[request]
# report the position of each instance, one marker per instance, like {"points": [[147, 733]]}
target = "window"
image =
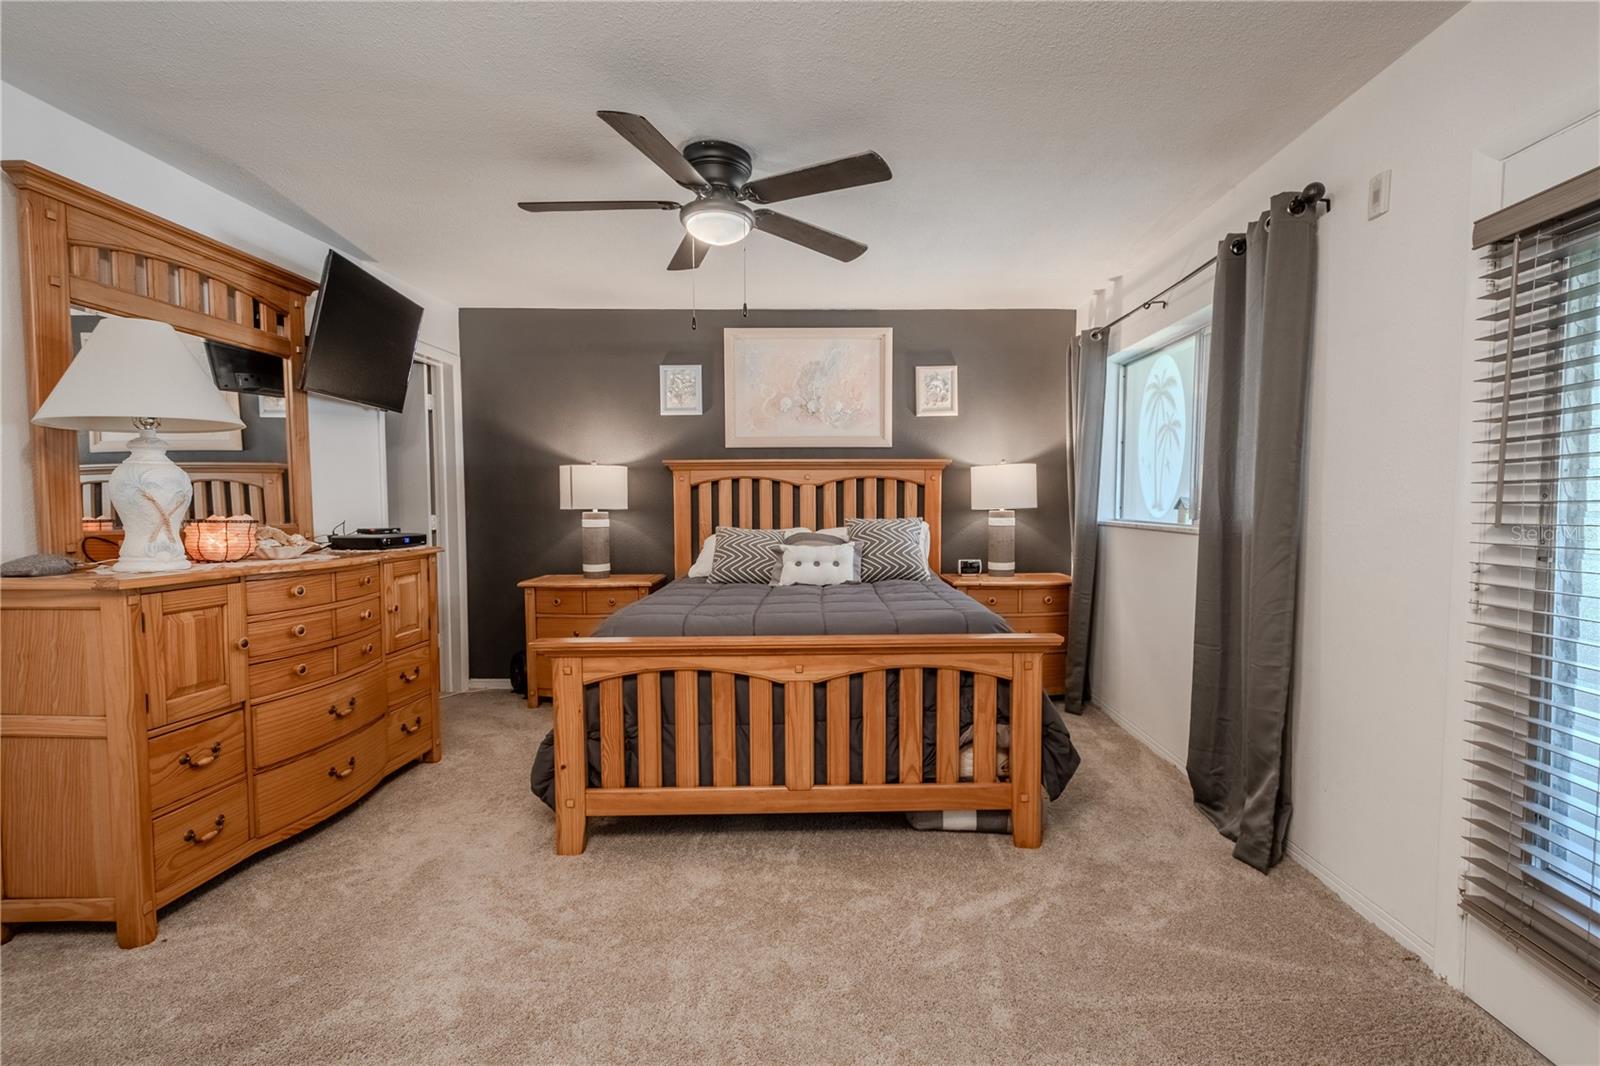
{"points": [[1156, 397], [1535, 647]]}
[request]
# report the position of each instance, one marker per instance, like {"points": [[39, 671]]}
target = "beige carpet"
{"points": [[433, 923]]}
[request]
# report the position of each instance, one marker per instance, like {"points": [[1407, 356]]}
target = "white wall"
{"points": [[348, 482], [1383, 578]]}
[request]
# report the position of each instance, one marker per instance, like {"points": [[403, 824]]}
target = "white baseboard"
{"points": [[1355, 899], [478, 683]]}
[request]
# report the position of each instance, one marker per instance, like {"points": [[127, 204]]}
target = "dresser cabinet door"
{"points": [[195, 651], [407, 604]]}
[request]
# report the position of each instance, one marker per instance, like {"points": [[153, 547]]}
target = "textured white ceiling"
{"points": [[1036, 147]]}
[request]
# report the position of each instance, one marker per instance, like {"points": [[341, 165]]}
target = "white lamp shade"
{"points": [[592, 487], [133, 368], [1005, 487]]}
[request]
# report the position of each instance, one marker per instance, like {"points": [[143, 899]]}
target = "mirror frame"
{"points": [[67, 231]]}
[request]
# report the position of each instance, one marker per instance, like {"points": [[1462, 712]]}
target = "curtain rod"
{"points": [[1314, 193]]}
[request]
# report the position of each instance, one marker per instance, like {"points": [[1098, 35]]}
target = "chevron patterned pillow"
{"points": [[744, 556], [892, 549]]}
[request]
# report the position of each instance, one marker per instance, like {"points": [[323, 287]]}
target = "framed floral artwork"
{"points": [[936, 390], [680, 390]]}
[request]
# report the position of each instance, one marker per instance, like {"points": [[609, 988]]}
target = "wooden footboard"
{"points": [[796, 666]]}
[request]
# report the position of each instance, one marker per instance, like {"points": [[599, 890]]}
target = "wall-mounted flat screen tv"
{"points": [[363, 337]]}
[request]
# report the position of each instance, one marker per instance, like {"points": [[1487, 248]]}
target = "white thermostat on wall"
{"points": [[1378, 195]]}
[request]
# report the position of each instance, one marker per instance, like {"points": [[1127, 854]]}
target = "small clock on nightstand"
{"points": [[1030, 603]]}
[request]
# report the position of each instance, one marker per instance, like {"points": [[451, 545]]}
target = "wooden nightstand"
{"points": [[571, 605], [1031, 603]]}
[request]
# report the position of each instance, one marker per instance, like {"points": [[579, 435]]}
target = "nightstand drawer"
{"points": [[1039, 623], [1043, 601], [576, 626], [1000, 601], [286, 593], [562, 601], [604, 601]]}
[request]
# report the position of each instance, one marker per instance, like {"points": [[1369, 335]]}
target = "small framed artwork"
{"points": [[936, 390], [272, 407], [680, 390]]}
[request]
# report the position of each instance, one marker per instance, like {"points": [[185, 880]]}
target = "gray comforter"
{"points": [[694, 607]]}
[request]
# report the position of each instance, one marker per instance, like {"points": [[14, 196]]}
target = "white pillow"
{"points": [[702, 562], [817, 564]]}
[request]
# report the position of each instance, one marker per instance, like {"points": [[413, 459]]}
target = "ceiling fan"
{"points": [[718, 174]]}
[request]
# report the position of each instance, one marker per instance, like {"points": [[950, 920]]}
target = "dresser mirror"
{"points": [[86, 256]]}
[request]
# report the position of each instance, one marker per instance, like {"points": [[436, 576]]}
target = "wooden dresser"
{"points": [[157, 729], [1031, 603], [571, 605]]}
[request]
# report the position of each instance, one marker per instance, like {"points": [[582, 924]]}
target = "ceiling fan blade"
{"points": [[642, 135], [808, 236], [864, 169], [538, 206], [690, 254]]}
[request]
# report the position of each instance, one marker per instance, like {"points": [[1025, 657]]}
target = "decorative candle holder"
{"points": [[219, 540]]}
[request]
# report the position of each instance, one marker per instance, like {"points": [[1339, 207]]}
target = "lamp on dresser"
{"points": [[143, 375], [595, 489], [1001, 490]]}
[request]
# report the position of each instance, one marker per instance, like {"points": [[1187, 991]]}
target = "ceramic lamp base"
{"points": [[1002, 543], [151, 494], [596, 544]]}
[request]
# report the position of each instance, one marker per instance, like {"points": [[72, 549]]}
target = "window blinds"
{"points": [[1534, 655]]}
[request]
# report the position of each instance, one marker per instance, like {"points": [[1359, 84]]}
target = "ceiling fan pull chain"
{"points": [[694, 304], [745, 261]]}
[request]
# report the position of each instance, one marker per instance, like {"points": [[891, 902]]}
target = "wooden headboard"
{"points": [[819, 493]]}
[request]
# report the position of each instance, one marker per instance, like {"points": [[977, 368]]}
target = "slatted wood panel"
{"points": [[773, 494], [838, 731], [724, 737], [797, 735], [874, 727], [686, 728], [985, 705], [649, 729], [256, 489], [947, 711], [760, 731], [173, 284], [911, 725], [612, 766]]}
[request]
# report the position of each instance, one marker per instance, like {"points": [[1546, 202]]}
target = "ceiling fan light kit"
{"points": [[718, 173]]}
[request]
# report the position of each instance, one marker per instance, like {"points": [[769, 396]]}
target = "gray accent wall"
{"points": [[546, 387]]}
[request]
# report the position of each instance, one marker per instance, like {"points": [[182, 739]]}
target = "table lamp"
{"points": [[132, 373], [595, 489], [1000, 490]]}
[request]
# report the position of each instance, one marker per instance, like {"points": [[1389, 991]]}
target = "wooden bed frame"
{"points": [[775, 493]]}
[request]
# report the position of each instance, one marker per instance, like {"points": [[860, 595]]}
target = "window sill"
{"points": [[1154, 527]]}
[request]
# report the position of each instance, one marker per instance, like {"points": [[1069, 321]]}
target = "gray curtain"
{"points": [[1246, 584], [1087, 377]]}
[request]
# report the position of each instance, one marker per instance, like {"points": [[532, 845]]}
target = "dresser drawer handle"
{"points": [[395, 609], [1049, 600], [555, 601], [191, 837], [298, 631], [416, 672], [343, 712], [366, 649], [203, 761], [611, 601], [366, 616], [243, 643], [338, 774], [367, 580], [301, 669], [412, 730], [297, 591]]}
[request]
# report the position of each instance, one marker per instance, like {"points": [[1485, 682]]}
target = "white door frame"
{"points": [[449, 479]]}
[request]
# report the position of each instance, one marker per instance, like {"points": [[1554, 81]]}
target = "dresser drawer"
{"points": [[354, 654], [576, 626], [283, 728], [271, 637], [558, 601], [356, 583], [1000, 601], [1040, 623], [352, 618], [410, 729], [199, 833], [273, 594], [281, 675], [1043, 601], [410, 673], [297, 790], [604, 601], [197, 757]]}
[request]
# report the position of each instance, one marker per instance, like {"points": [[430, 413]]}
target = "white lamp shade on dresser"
{"points": [[132, 373], [130, 369], [593, 487], [1005, 486]]}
